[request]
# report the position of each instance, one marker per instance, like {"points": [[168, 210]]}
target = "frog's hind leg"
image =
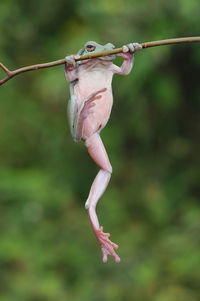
{"points": [[98, 153]]}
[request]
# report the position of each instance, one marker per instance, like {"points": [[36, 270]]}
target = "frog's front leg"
{"points": [[98, 153], [128, 56]]}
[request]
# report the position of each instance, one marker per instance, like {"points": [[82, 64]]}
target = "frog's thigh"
{"points": [[97, 151]]}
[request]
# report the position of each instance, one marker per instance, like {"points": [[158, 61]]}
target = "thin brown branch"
{"points": [[13, 73], [171, 41], [5, 69]]}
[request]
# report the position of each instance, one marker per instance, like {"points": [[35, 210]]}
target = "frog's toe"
{"points": [[70, 61], [125, 48], [132, 47], [135, 47], [107, 246]]}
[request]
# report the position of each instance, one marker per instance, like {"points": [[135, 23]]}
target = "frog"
{"points": [[89, 110]]}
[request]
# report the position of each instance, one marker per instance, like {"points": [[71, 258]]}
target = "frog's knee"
{"points": [[109, 169]]}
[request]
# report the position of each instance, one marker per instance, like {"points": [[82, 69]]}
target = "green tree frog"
{"points": [[88, 111]]}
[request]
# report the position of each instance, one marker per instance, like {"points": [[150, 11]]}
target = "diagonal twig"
{"points": [[11, 74]]}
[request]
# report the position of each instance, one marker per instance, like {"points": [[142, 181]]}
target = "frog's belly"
{"points": [[100, 114]]}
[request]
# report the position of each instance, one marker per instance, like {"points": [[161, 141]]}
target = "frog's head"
{"points": [[93, 47]]}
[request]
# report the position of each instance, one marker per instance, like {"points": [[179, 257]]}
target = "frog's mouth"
{"points": [[108, 57]]}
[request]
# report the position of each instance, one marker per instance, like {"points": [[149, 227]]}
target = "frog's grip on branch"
{"points": [[13, 73]]}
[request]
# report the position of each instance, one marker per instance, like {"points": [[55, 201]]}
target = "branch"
{"points": [[13, 73]]}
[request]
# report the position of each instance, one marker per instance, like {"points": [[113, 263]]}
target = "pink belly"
{"points": [[97, 120]]}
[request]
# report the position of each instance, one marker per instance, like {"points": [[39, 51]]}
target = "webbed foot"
{"points": [[107, 246]]}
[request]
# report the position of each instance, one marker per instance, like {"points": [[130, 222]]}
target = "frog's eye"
{"points": [[90, 47]]}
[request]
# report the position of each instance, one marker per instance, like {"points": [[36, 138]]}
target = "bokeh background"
{"points": [[48, 251]]}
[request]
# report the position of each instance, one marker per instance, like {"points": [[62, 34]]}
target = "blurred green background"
{"points": [[48, 251]]}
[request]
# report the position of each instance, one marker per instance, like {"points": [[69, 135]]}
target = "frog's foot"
{"points": [[108, 247], [89, 103]]}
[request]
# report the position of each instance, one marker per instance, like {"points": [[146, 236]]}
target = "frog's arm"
{"points": [[71, 68], [71, 73], [128, 56], [72, 108], [126, 66]]}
